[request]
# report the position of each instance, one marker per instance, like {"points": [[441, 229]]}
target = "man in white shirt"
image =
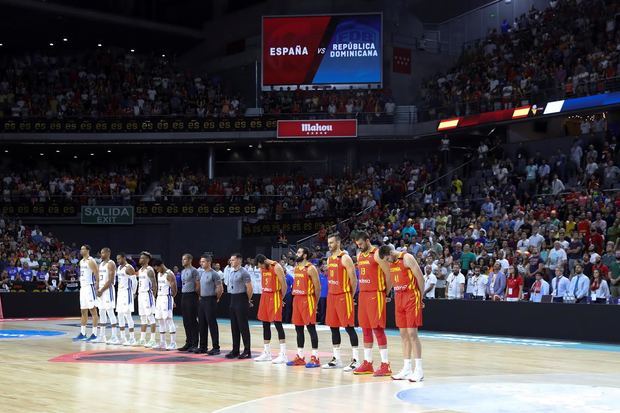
{"points": [[456, 283], [557, 257], [559, 285], [430, 280], [536, 239], [539, 288], [478, 284]]}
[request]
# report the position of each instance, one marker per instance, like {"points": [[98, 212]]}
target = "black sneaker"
{"points": [[200, 351], [184, 348], [232, 355], [213, 352], [245, 355], [192, 349]]}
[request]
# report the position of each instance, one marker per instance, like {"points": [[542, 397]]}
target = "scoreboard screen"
{"points": [[326, 51]]}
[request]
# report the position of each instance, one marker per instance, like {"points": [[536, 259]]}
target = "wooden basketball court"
{"points": [[42, 372]]}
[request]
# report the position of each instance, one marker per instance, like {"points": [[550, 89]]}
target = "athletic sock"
{"points": [[102, 332], [315, 353], [83, 330], [337, 353], [162, 337], [142, 335], [418, 364], [368, 355], [384, 355], [123, 334], [114, 333], [356, 353], [94, 331], [282, 348], [267, 349], [300, 352], [172, 339], [407, 364]]}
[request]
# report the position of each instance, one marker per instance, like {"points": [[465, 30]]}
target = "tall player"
{"points": [[306, 294], [341, 285], [124, 303], [89, 284], [408, 282], [147, 283], [371, 307], [270, 307], [107, 300], [166, 291]]}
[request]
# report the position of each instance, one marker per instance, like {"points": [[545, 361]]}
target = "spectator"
{"points": [[579, 285], [514, 285], [496, 286], [430, 280], [456, 283], [539, 289], [599, 289], [559, 286]]}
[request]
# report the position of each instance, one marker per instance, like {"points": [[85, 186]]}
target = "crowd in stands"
{"points": [[31, 260], [370, 104], [108, 83], [571, 48]]}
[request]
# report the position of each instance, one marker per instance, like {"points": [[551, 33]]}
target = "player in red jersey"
{"points": [[306, 294], [270, 307], [371, 307], [341, 286], [408, 282]]}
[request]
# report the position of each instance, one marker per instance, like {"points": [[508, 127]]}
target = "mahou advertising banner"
{"points": [[332, 128], [322, 50]]}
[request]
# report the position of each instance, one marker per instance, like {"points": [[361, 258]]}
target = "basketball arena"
{"points": [[281, 206]]}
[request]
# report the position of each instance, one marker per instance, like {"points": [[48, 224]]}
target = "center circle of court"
{"points": [[515, 397]]}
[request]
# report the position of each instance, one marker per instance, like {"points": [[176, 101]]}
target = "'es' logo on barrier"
{"points": [[333, 128]]}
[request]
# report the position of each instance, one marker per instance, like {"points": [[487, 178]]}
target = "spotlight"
{"points": [[57, 150], [132, 50], [92, 154], [109, 151], [163, 55], [42, 154], [64, 39], [250, 146], [74, 156], [228, 149], [99, 45], [51, 44]]}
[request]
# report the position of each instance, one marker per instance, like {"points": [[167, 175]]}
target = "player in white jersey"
{"points": [[166, 291], [127, 286], [89, 284], [147, 283], [106, 297]]}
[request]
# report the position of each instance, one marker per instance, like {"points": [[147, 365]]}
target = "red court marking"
{"points": [[38, 319]]}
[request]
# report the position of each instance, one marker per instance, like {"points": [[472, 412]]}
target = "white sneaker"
{"points": [[99, 340], [133, 342], [416, 377], [352, 366], [151, 344], [171, 346], [402, 375], [263, 357], [125, 342], [114, 341], [160, 346], [281, 359], [333, 364]]}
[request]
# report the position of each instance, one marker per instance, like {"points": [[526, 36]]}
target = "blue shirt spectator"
{"points": [[323, 280], [579, 286], [497, 282], [289, 283], [12, 271], [27, 274]]}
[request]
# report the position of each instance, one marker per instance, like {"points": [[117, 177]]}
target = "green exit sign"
{"points": [[107, 215]]}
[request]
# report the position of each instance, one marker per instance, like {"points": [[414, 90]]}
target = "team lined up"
{"points": [[380, 270]]}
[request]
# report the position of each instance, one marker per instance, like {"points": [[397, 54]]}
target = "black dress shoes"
{"points": [[245, 355], [184, 348], [200, 351], [213, 352], [232, 355]]}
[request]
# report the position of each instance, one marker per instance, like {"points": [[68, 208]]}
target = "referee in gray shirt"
{"points": [[240, 289], [189, 304], [209, 286]]}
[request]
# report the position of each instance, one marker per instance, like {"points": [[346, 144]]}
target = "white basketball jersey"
{"points": [[104, 274], [163, 285], [87, 277], [144, 282], [124, 282]]}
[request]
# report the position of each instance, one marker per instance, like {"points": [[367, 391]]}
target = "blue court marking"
{"points": [[8, 334]]}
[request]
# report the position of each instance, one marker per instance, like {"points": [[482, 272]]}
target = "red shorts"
{"points": [[304, 310], [340, 310], [270, 307], [371, 309], [408, 309]]}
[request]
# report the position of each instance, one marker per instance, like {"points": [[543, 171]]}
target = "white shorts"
{"points": [[146, 304], [107, 301], [88, 297], [124, 302], [163, 308]]}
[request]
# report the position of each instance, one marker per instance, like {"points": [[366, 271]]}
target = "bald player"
{"points": [[341, 286], [107, 297], [147, 284], [270, 308], [89, 284], [371, 305], [408, 281], [127, 286]]}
